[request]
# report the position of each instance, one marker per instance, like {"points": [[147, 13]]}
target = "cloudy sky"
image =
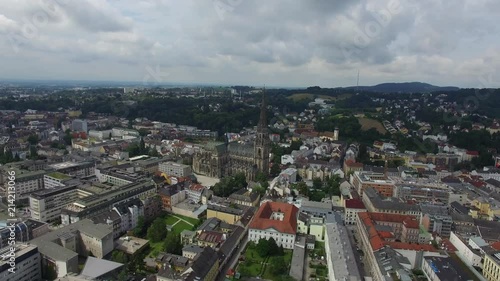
{"points": [[253, 42]]}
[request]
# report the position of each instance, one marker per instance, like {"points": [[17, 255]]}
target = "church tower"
{"points": [[262, 142]]}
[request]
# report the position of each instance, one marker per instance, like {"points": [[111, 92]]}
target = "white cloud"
{"points": [[321, 42]]}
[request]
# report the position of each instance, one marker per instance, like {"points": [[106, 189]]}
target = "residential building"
{"points": [[245, 197], [436, 219], [171, 196], [276, 220], [27, 263], [79, 125], [352, 207], [491, 265], [129, 212], [312, 218], [468, 251], [205, 267], [444, 269], [485, 208], [375, 202], [227, 214]]}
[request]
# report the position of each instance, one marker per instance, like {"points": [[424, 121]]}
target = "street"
{"points": [[356, 244]]}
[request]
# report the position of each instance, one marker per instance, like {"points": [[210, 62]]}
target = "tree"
{"points": [[260, 190], [273, 248], [275, 170], [173, 243], [317, 184], [263, 248], [143, 132], [123, 276], [278, 265], [260, 177], [33, 152], [157, 231], [33, 139], [119, 256], [140, 228], [303, 188]]}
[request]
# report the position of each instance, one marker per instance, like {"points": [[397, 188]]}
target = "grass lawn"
{"points": [[169, 220], [368, 123], [180, 225], [188, 219], [254, 266]]}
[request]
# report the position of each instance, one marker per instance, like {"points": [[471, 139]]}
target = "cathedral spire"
{"points": [[263, 111]]}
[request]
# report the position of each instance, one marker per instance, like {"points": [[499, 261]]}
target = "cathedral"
{"points": [[218, 159]]}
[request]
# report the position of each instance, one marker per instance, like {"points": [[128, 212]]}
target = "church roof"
{"points": [[241, 149]]}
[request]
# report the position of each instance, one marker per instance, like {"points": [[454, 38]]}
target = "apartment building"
{"points": [[491, 265], [352, 208], [436, 219]]}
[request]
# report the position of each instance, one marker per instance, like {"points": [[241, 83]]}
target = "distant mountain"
{"points": [[407, 87]]}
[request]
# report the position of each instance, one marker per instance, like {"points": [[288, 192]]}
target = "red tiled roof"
{"points": [[413, 247], [377, 238], [211, 237], [496, 246], [352, 163], [354, 204], [472, 152], [262, 220], [408, 221]]}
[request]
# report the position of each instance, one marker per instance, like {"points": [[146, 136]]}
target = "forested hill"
{"points": [[407, 87]]}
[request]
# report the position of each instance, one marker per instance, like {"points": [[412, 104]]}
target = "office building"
{"points": [[27, 263], [175, 169], [378, 181], [60, 248]]}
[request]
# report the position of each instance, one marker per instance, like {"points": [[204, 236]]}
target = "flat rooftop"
{"points": [[130, 245], [341, 253], [59, 176]]}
